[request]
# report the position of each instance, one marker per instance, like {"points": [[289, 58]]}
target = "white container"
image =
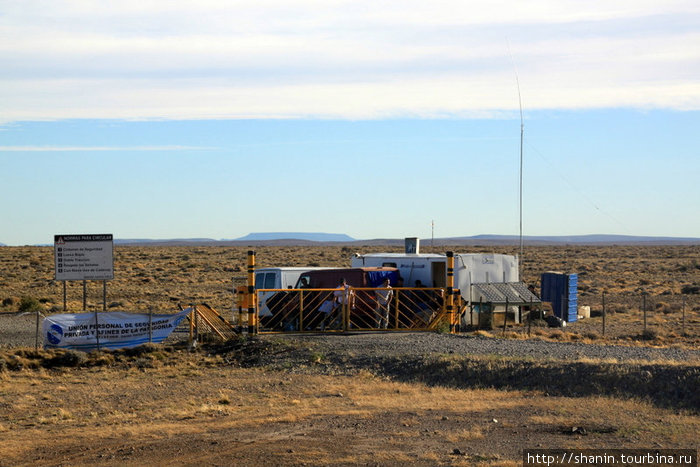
{"points": [[584, 312]]}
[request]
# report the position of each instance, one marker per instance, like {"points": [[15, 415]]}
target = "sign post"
{"points": [[84, 258]]}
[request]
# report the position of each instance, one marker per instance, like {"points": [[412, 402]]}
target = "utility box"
{"points": [[561, 290]]}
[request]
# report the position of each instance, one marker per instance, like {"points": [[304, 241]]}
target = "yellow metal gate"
{"points": [[361, 309]]}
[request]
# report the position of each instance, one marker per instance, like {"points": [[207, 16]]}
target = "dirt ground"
{"points": [[180, 408]]}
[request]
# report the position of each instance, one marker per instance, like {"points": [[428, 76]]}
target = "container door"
{"points": [[439, 274]]}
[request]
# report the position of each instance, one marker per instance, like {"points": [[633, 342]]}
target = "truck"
{"points": [[276, 278], [285, 307]]}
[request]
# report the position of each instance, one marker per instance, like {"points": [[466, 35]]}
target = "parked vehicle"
{"points": [[276, 278], [286, 309]]}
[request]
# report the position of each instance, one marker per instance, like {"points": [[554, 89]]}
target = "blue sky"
{"points": [[163, 119]]}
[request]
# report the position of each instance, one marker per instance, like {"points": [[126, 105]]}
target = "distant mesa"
{"points": [[308, 236]]}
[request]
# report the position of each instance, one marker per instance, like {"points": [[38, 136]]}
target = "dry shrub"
{"points": [[617, 309], [65, 358], [663, 307], [558, 335], [592, 335]]}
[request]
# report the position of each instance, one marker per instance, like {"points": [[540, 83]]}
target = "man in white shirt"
{"points": [[383, 296]]}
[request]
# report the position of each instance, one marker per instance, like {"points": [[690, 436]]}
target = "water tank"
{"points": [[561, 291]]}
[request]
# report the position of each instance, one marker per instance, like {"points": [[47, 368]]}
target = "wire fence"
{"points": [[664, 319], [632, 314]]}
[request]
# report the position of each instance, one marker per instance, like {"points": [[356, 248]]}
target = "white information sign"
{"points": [[84, 257]]}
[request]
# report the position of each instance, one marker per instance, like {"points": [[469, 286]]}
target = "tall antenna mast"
{"points": [[522, 132], [432, 236]]}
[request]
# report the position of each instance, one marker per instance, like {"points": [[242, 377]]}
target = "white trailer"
{"points": [[430, 270]]}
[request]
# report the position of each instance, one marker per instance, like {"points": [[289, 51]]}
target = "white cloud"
{"points": [[342, 59], [99, 148]]}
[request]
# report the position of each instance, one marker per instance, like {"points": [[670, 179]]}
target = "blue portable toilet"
{"points": [[562, 292]]}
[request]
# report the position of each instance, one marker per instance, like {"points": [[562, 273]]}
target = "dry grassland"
{"points": [[160, 278], [182, 408]]}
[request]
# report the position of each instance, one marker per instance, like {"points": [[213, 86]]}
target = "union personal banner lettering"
{"points": [[115, 330]]}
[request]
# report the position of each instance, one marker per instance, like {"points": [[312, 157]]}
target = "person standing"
{"points": [[383, 296]]}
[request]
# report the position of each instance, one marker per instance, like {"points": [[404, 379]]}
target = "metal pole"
{"points": [[644, 307], [65, 299], [150, 325], [683, 325], [36, 336], [396, 310], [301, 310], [191, 326], [97, 332], [505, 317], [450, 289], [104, 295], [196, 323], [603, 314], [481, 310], [84, 295], [251, 292], [529, 318]]}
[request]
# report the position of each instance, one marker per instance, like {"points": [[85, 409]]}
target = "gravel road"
{"points": [[396, 344], [18, 330]]}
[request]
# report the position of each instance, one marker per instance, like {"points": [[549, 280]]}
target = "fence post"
{"points": [[529, 318], [450, 287], [97, 330], [683, 322], [196, 322], [458, 311], [191, 325], [251, 293], [603, 314], [644, 309], [346, 310], [396, 309], [481, 310], [301, 310], [150, 324], [505, 317], [36, 336]]}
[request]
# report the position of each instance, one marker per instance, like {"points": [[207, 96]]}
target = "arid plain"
{"points": [[220, 407]]}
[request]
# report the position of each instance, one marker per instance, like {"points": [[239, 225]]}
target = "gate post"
{"points": [[252, 327], [450, 288], [346, 309]]}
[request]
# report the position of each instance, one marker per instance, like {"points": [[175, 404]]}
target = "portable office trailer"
{"points": [[430, 270]]}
